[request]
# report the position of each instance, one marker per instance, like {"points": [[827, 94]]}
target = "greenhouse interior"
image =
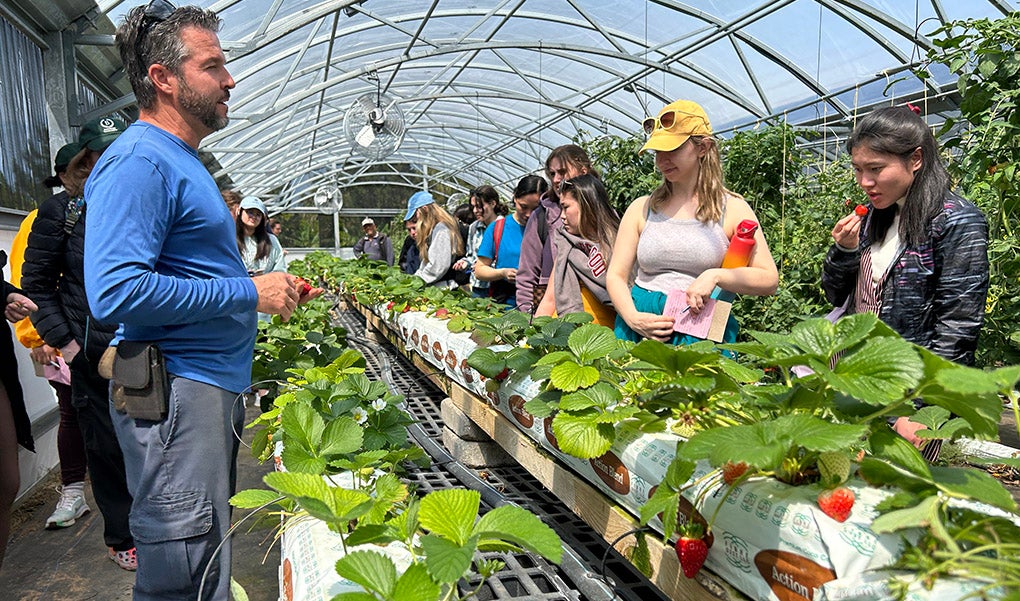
{"points": [[817, 398]]}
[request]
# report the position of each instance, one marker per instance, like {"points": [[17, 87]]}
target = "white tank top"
{"points": [[671, 253]]}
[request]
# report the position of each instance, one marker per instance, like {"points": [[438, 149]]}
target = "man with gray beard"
{"points": [[162, 261]]}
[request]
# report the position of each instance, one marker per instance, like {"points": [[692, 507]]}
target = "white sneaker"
{"points": [[70, 507]]}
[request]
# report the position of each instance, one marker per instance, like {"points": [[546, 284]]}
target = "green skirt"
{"points": [[650, 301]]}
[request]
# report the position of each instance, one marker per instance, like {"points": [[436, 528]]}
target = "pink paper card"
{"points": [[709, 324]]}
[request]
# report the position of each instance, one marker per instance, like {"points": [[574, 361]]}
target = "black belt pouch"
{"points": [[140, 386]]}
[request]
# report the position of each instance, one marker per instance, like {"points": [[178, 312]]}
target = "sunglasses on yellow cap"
{"points": [[666, 120]]}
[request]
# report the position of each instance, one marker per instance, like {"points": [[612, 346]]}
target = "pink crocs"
{"points": [[127, 560]]}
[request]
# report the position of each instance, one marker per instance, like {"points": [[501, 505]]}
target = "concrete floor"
{"points": [[71, 564]]}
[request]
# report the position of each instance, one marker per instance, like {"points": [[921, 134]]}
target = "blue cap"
{"points": [[252, 202], [417, 200]]}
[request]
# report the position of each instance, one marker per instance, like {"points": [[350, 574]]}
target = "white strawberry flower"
{"points": [[360, 415], [378, 404]]}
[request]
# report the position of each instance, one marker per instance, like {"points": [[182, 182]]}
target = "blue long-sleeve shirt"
{"points": [[161, 258]]}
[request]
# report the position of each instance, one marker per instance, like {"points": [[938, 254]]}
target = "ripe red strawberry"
{"points": [[836, 503], [503, 374], [861, 210], [691, 549], [731, 472], [389, 305], [442, 313], [303, 286]]}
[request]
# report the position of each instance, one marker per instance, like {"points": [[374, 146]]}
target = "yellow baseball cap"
{"points": [[675, 123]]}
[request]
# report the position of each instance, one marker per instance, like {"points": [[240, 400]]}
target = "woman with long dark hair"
{"points": [[499, 251], [584, 246], [919, 257], [260, 250], [486, 207]]}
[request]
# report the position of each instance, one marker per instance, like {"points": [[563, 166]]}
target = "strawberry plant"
{"points": [[316, 419], [307, 340], [441, 530], [581, 391]]}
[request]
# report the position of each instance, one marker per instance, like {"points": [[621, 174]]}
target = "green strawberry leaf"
{"points": [[969, 483], [447, 561], [373, 571], [853, 329], [553, 358], [521, 527], [674, 360], [303, 425], [582, 435], [539, 408], [450, 513], [601, 395], [310, 490], [752, 444], [520, 359], [980, 408], [666, 501], [341, 436], [415, 584], [297, 459], [252, 498], [918, 516], [372, 534], [970, 380], [814, 337], [816, 434], [569, 376], [879, 373], [591, 341], [486, 362]]}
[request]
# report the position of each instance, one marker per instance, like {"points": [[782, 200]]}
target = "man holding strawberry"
{"points": [[162, 261]]}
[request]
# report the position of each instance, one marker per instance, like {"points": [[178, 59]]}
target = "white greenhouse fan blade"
{"points": [[366, 136]]}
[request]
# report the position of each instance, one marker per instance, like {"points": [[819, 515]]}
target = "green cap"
{"points": [[64, 156], [99, 133]]}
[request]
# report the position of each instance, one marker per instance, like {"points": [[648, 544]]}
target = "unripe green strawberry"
{"points": [[834, 468]]}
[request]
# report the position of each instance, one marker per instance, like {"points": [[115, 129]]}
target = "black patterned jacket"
{"points": [[934, 294]]}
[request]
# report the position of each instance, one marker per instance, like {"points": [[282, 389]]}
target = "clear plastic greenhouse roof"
{"points": [[486, 88]]}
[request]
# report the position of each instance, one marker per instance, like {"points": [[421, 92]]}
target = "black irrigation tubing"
{"points": [[594, 586]]}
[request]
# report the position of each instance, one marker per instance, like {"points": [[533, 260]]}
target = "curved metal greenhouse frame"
{"points": [[488, 87]]}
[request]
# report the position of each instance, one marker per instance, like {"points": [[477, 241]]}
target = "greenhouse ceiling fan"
{"points": [[374, 125], [329, 198]]}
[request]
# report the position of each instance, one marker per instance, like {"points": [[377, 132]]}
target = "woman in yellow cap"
{"points": [[676, 237]]}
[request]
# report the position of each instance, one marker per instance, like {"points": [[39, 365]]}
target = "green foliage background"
{"points": [[798, 195]]}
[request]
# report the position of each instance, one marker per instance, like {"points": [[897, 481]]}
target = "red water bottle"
{"points": [[738, 254], [741, 244]]}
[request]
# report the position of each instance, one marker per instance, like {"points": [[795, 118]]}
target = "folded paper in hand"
{"points": [[709, 323]]}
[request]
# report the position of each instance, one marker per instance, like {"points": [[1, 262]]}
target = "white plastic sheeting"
{"points": [[487, 87]]}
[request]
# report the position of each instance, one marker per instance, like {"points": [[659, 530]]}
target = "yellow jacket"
{"points": [[24, 329]]}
